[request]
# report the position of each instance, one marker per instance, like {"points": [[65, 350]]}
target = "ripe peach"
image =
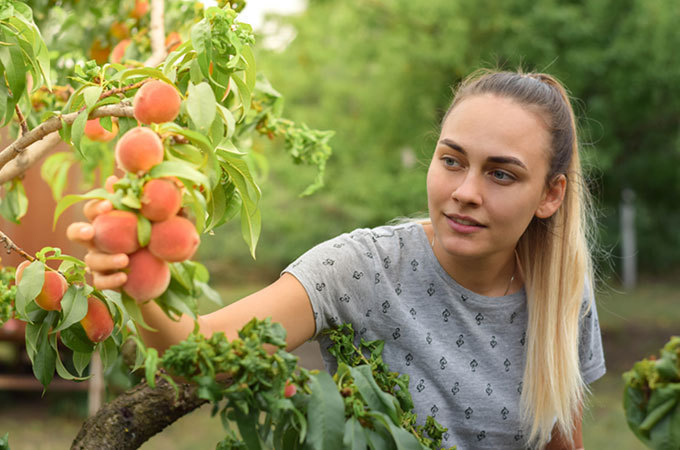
{"points": [[172, 41], [53, 289], [119, 30], [174, 239], [97, 323], [98, 52], [148, 276], [116, 232], [161, 199], [141, 8], [119, 50], [156, 102], [139, 150], [96, 132]]}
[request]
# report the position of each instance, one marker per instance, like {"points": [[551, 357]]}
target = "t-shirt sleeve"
{"points": [[591, 354], [337, 277]]}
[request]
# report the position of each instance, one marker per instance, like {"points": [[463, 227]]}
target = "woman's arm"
{"points": [[561, 442], [285, 301]]}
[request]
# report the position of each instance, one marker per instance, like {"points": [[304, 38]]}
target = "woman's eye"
{"points": [[501, 175], [450, 162]]}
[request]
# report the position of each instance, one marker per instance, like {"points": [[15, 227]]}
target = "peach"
{"points": [[118, 51], [99, 52], [119, 30], [174, 239], [139, 150], [96, 132], [97, 323], [141, 8], [172, 41], [53, 289], [116, 232], [148, 276], [156, 102], [161, 199]]}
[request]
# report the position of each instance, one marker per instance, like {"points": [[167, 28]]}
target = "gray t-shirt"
{"points": [[464, 352]]}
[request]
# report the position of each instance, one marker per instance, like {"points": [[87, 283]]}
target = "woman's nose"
{"points": [[469, 191]]}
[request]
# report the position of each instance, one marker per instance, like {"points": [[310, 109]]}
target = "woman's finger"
{"points": [[110, 281], [80, 232], [93, 208], [105, 263]]}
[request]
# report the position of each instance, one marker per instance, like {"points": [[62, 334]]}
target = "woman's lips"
{"points": [[463, 224]]}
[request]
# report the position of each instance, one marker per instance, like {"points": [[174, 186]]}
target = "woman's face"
{"points": [[487, 177]]}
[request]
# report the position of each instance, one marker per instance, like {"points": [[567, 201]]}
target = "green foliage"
{"points": [[362, 404], [652, 398], [380, 74], [8, 291]]}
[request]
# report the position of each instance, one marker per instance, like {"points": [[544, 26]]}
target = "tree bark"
{"points": [[135, 416]]}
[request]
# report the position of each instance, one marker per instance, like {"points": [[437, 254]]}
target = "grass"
{"points": [[633, 324]]}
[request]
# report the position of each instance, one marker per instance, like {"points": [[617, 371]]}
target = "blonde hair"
{"points": [[554, 256]]}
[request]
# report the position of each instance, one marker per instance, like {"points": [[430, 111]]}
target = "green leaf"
{"points": [[73, 306], [326, 414], [78, 129], [251, 226], [32, 280], [55, 172], [657, 413], [74, 337], [44, 362], [133, 311], [375, 398], [91, 95], [108, 350], [228, 119], [151, 366], [81, 360], [354, 436], [69, 200], [179, 170], [201, 104], [247, 426], [244, 94], [116, 298], [143, 230], [251, 71], [4, 442], [62, 371], [15, 204], [144, 72]]}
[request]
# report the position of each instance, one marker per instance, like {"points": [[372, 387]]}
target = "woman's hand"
{"points": [[105, 268]]}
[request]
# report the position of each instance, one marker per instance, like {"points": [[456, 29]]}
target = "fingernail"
{"points": [[120, 260]]}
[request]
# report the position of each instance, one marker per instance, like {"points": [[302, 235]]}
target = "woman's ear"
{"points": [[553, 196]]}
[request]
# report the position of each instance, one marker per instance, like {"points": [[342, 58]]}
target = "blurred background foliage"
{"points": [[380, 73]]}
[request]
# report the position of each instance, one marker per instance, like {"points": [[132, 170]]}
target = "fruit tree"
{"points": [[159, 102]]}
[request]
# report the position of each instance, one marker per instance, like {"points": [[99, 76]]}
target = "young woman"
{"points": [[488, 305]]}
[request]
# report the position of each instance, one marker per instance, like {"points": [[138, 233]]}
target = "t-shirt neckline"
{"points": [[483, 300]]}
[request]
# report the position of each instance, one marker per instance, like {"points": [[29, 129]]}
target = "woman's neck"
{"points": [[492, 275]]}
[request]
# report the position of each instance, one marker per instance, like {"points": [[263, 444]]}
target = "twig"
{"points": [[22, 119], [11, 246], [120, 90], [55, 123]]}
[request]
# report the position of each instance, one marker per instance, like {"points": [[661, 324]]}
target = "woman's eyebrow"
{"points": [[494, 159]]}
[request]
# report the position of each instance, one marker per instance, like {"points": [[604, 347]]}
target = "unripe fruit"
{"points": [[116, 232], [174, 239], [53, 289], [139, 150], [148, 276], [96, 132], [97, 323], [156, 102], [161, 199], [119, 51]]}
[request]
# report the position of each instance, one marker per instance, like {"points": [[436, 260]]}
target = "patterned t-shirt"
{"points": [[464, 352]]}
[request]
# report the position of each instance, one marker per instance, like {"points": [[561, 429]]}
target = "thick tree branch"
{"points": [[36, 142], [158, 51], [135, 416]]}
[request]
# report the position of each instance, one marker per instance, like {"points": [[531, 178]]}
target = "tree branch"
{"points": [[43, 131], [22, 119], [11, 246], [158, 50], [136, 415]]}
